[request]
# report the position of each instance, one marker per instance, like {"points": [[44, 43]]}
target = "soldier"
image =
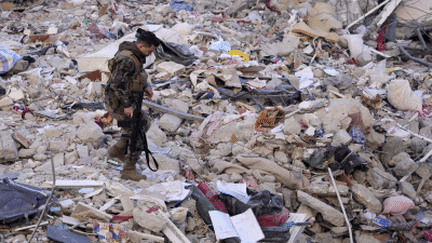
{"points": [[127, 76]]}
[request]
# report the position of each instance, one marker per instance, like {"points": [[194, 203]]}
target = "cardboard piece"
{"points": [[99, 59]]}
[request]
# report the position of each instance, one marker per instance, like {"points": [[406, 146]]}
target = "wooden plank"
{"points": [[388, 9], [73, 184]]}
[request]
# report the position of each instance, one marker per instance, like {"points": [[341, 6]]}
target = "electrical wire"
{"points": [[47, 202]]}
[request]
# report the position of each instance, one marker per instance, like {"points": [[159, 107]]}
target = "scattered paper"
{"points": [[236, 190], [331, 71], [168, 191], [244, 226]]}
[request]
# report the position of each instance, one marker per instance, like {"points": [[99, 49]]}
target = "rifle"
{"points": [[137, 131]]}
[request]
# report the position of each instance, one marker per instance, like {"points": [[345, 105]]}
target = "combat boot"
{"points": [[129, 170], [118, 150]]}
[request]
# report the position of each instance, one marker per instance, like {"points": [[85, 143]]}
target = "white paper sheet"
{"points": [[244, 226], [247, 227], [222, 225], [237, 190]]}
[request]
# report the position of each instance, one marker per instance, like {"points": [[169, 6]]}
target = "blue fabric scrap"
{"points": [[357, 136], [178, 5]]}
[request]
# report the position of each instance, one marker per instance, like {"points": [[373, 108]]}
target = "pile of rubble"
{"points": [[315, 115]]}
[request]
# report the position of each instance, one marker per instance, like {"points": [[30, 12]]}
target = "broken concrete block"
{"points": [[83, 151], [16, 94], [167, 163], [179, 105], [326, 189], [374, 140], [329, 213], [95, 89], [392, 146], [21, 139], [150, 221], [380, 179], [6, 103], [156, 135], [8, 149], [423, 170], [71, 157], [363, 195], [331, 124], [57, 145], [342, 108], [84, 211], [138, 237], [291, 126], [169, 122], [126, 203], [341, 137], [40, 157], [402, 156], [404, 167], [26, 153], [90, 133], [58, 159], [172, 68], [408, 189]]}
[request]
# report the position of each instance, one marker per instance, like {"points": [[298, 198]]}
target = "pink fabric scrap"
{"points": [[397, 205]]}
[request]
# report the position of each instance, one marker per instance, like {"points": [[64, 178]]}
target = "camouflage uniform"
{"points": [[127, 75]]}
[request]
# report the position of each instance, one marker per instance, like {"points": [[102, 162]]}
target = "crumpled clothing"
{"points": [[186, 171], [22, 110], [8, 60], [227, 167], [111, 233], [207, 127], [212, 196], [397, 205], [319, 133], [220, 46], [178, 5], [250, 183], [357, 136], [175, 52], [428, 235]]}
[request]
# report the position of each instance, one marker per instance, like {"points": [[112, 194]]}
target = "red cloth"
{"points": [[381, 37], [117, 218], [274, 220], [212, 196], [428, 235], [186, 171]]}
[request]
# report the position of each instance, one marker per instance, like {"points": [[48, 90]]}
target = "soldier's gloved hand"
{"points": [[129, 111], [148, 92]]}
